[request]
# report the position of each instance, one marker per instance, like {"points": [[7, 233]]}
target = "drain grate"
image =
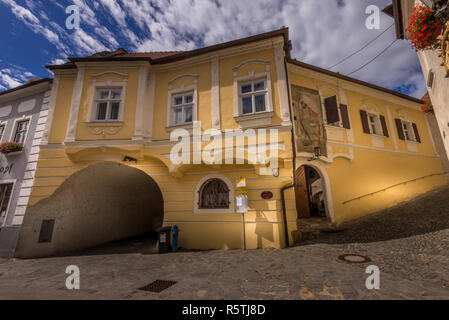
{"points": [[158, 286], [354, 258]]}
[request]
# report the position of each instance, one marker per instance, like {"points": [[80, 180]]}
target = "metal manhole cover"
{"points": [[158, 286], [354, 258]]}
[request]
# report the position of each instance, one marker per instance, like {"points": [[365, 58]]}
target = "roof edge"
{"points": [[360, 82], [189, 54], [26, 85]]}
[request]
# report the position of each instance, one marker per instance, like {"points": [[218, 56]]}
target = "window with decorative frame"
{"points": [[408, 131], [108, 104], [374, 124], [253, 96], [214, 194], [182, 108], [21, 131]]}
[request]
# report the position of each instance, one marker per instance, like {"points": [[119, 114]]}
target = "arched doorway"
{"points": [[102, 203], [310, 193]]}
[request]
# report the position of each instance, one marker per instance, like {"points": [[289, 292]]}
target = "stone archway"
{"points": [[102, 203]]}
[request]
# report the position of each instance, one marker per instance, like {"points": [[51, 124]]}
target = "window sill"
{"points": [[104, 123], [378, 135], [255, 120], [214, 211], [187, 126], [334, 127], [15, 153]]}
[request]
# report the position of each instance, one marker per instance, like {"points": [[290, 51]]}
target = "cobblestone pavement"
{"points": [[408, 243]]}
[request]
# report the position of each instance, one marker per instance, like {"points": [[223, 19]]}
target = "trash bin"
{"points": [[164, 237]]}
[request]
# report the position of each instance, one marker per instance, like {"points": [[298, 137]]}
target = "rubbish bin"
{"points": [[164, 237]]}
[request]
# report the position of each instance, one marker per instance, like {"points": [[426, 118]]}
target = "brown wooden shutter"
{"points": [[331, 107], [365, 124], [401, 134], [415, 129], [384, 126], [345, 116]]}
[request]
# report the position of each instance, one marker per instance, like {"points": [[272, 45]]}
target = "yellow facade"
{"points": [[72, 142]]}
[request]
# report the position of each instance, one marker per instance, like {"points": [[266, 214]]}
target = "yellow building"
{"points": [[106, 169]]}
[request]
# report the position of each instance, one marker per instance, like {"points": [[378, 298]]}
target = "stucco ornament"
{"points": [[445, 48], [104, 131]]}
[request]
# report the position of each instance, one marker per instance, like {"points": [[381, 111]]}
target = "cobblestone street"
{"points": [[409, 243]]}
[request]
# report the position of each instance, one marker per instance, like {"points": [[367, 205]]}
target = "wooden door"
{"points": [[302, 194]]}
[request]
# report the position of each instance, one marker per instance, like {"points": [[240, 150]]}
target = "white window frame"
{"points": [[14, 128], [109, 101], [182, 106], [253, 95], [377, 123], [109, 85], [13, 182], [182, 90], [409, 130], [251, 78], [196, 200], [5, 124]]}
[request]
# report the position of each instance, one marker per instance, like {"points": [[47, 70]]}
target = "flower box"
{"points": [[424, 29], [427, 107], [11, 148]]}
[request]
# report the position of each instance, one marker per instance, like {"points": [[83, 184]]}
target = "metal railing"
{"points": [[396, 185]]}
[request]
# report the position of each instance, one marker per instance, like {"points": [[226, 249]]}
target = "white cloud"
{"points": [[30, 20], [322, 32], [7, 80], [58, 61], [120, 16], [85, 43]]}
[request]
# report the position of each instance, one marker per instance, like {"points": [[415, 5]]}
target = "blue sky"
{"points": [[323, 32]]}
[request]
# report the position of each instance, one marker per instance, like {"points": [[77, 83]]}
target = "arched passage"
{"points": [[310, 193], [102, 203]]}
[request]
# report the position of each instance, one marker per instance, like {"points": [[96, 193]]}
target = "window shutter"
{"points": [[365, 124], [415, 129], [384, 126], [345, 116], [331, 107], [401, 134]]}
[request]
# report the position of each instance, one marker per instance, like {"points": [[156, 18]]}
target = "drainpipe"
{"points": [[284, 211]]}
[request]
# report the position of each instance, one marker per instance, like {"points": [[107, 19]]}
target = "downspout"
{"points": [[284, 211]]}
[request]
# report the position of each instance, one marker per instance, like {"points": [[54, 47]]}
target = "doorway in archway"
{"points": [[309, 193]]}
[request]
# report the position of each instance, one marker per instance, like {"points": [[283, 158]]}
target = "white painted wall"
{"points": [[439, 92]]}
